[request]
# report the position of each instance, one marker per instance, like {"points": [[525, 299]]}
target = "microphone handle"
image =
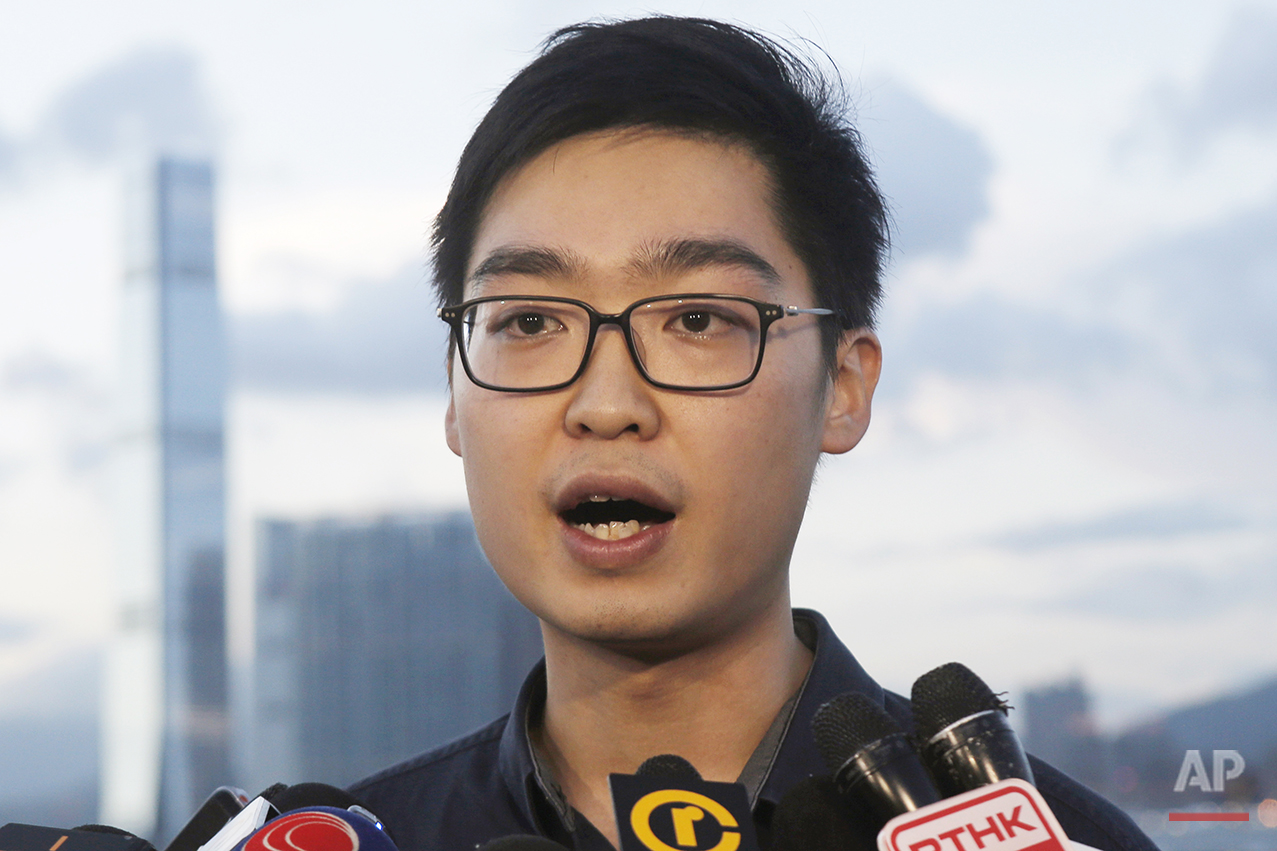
{"points": [[976, 751], [220, 807], [888, 777]]}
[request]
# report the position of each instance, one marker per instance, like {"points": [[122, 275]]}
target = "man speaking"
{"points": [[660, 259]]}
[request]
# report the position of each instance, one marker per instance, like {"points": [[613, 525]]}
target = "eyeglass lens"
{"points": [[688, 342]]}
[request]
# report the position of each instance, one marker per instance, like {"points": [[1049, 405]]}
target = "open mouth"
{"points": [[610, 519]]}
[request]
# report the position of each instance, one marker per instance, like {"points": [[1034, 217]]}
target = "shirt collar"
{"points": [[834, 671], [514, 759]]}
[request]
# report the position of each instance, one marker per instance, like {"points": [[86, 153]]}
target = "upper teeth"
{"points": [[598, 497], [614, 531]]}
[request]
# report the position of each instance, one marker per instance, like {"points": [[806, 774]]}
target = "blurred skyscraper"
{"points": [[165, 709], [376, 640], [1061, 730]]}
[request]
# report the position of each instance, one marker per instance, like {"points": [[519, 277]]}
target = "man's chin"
{"points": [[646, 635]]}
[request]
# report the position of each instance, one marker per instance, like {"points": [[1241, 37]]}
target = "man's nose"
{"points": [[611, 398]]}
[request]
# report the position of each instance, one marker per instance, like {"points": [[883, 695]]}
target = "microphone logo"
{"points": [[304, 831], [655, 813], [684, 818], [1007, 816]]}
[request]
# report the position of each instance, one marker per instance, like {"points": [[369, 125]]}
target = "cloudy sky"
{"points": [[1071, 468]]}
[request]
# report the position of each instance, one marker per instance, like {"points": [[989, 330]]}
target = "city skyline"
{"points": [[1073, 440]]}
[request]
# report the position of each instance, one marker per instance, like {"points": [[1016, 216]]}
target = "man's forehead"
{"points": [[648, 207], [654, 260]]}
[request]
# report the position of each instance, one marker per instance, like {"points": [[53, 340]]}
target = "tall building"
{"points": [[165, 708], [376, 640], [1060, 728]]}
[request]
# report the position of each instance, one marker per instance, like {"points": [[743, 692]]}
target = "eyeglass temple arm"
{"points": [[791, 310], [811, 311]]}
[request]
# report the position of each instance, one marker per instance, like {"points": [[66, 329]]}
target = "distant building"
{"points": [[1060, 729], [376, 640], [164, 725]]}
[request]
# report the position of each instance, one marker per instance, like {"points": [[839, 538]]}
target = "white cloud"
{"points": [[150, 100], [381, 337], [1236, 90], [933, 170]]}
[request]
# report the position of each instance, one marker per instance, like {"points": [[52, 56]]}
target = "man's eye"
{"points": [[697, 321], [703, 321], [530, 325]]}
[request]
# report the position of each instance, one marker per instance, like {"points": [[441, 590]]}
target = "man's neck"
{"points": [[606, 712]]}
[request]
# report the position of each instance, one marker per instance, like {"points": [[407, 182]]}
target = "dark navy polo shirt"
{"points": [[489, 784]]}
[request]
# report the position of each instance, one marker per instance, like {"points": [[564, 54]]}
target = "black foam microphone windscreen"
{"points": [[949, 693], [814, 816], [311, 795], [521, 842], [871, 758], [668, 766], [966, 740], [847, 724]]}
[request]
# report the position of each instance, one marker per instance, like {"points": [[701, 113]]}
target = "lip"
{"points": [[582, 487], [613, 555]]}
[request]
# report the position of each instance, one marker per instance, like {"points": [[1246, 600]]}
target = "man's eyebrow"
{"points": [[675, 256], [537, 261]]}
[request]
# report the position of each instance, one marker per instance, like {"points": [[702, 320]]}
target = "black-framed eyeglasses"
{"points": [[688, 341]]}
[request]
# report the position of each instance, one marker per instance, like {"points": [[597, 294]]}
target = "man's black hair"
{"points": [[697, 76]]}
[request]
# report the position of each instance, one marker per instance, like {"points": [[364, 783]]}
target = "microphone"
{"points": [[252, 816], [319, 828], [666, 805], [299, 795], [522, 842], [266, 809], [871, 757], [668, 766], [221, 806], [813, 816], [966, 739], [87, 837], [978, 763]]}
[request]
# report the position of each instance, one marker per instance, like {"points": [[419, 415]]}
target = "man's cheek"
{"points": [[495, 469], [501, 432]]}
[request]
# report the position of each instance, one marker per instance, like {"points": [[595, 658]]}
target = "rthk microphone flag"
{"points": [[1006, 816]]}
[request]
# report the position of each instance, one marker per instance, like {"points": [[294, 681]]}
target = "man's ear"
{"points": [[450, 426], [850, 396], [450, 416]]}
